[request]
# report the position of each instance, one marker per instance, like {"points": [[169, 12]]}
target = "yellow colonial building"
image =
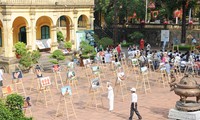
{"points": [[29, 21]]}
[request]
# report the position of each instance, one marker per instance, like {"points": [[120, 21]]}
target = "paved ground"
{"points": [[154, 105]]}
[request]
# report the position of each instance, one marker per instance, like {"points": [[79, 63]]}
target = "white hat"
{"points": [[133, 89]]}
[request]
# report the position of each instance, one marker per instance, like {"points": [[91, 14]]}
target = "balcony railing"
{"points": [[47, 2]]}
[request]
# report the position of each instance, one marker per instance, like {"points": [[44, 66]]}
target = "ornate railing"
{"points": [[47, 2]]}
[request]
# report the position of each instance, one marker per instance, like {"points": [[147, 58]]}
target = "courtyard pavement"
{"points": [[154, 105]]}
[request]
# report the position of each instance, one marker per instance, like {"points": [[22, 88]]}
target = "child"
{"points": [[110, 96], [134, 105]]}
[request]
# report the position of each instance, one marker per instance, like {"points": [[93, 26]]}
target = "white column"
{"points": [[33, 32], [92, 19], [28, 39], [75, 20], [8, 38], [54, 43], [72, 36]]}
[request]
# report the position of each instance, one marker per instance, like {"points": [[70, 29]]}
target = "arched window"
{"points": [[1, 38], [22, 34], [45, 34], [63, 21]]}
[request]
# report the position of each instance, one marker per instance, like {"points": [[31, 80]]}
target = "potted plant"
{"points": [[57, 55], [68, 45], [60, 36], [20, 49], [28, 59], [87, 50]]}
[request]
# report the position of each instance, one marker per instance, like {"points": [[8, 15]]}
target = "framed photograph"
{"points": [[144, 69], [70, 65], [17, 75], [71, 75], [56, 68], [117, 64], [95, 69], [66, 90], [120, 76], [45, 81], [7, 89], [134, 61], [95, 83], [38, 71]]}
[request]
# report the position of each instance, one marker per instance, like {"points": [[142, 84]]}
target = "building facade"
{"points": [[31, 20]]}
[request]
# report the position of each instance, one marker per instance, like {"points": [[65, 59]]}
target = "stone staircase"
{"points": [[45, 64]]}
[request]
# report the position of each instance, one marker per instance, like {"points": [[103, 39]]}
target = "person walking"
{"points": [[110, 96], [134, 105]]}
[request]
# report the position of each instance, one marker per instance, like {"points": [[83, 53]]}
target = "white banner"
{"points": [[165, 35]]}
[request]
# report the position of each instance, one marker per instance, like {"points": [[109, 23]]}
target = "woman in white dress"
{"points": [[110, 96]]}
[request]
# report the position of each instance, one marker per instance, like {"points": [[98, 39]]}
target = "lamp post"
{"points": [[183, 26]]}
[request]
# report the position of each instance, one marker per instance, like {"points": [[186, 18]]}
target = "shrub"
{"points": [[5, 114], [35, 55], [68, 45], [136, 36], [105, 42], [57, 55], [184, 47], [14, 104], [26, 60], [20, 48], [86, 48], [29, 58], [60, 36]]}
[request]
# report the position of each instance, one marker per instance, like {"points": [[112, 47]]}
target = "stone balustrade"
{"points": [[47, 2]]}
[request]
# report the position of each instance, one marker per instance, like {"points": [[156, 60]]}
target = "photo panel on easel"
{"points": [[71, 75], [6, 90], [70, 65], [38, 71], [134, 62], [45, 81], [17, 75], [56, 68], [144, 69], [95, 83], [95, 69], [66, 90], [117, 65]]}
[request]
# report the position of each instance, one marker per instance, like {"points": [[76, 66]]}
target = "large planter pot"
{"points": [[18, 56]]}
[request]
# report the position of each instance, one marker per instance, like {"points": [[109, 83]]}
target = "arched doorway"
{"points": [[63, 23], [19, 30], [43, 26], [22, 34], [45, 32]]}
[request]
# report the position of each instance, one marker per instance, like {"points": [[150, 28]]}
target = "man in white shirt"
{"points": [[1, 81], [133, 109]]}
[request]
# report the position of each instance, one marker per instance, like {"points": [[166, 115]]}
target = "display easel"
{"points": [[34, 81], [143, 82], [68, 107], [135, 65], [44, 91], [121, 85], [58, 78], [97, 76], [95, 98], [7, 90], [164, 78], [27, 108], [73, 83], [18, 83]]}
